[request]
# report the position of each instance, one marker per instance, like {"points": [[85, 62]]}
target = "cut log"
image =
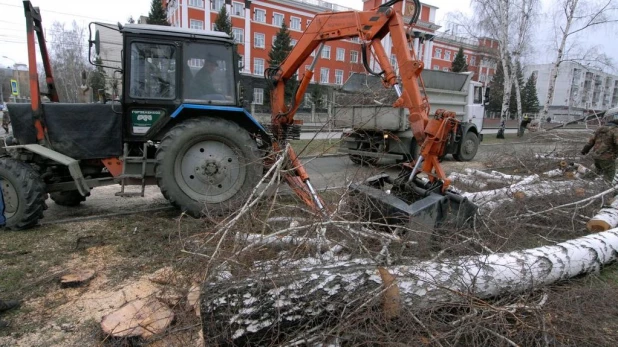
{"points": [[273, 307], [481, 198], [466, 179], [77, 278], [139, 318], [606, 219]]}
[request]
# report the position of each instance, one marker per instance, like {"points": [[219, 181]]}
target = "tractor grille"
{"points": [[289, 132]]}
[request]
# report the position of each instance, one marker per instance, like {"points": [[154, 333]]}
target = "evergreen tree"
{"points": [[520, 77], [157, 14], [280, 50], [529, 98], [223, 23], [496, 90], [97, 78], [459, 63]]}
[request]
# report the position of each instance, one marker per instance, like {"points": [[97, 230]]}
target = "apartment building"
{"points": [[256, 23], [579, 89]]}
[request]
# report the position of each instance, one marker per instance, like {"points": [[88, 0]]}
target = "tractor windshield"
{"points": [[208, 73]]}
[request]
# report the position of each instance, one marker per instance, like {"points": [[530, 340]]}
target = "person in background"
{"points": [[523, 125], [604, 146]]}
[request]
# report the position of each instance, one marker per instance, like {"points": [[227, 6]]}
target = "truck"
{"points": [[374, 130]]}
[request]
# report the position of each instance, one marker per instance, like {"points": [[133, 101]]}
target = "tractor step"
{"points": [[125, 176]]}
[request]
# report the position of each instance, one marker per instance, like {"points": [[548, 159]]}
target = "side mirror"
{"points": [[96, 42]]}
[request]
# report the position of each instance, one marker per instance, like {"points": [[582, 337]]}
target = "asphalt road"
{"points": [[325, 172]]}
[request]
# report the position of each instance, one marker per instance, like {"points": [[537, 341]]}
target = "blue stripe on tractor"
{"points": [[217, 108]]}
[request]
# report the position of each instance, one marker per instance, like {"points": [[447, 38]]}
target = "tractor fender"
{"points": [[235, 114]]}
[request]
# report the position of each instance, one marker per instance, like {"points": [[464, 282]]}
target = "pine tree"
{"points": [[459, 63], [223, 22], [157, 14], [529, 98], [280, 50], [513, 104], [496, 90], [97, 78]]}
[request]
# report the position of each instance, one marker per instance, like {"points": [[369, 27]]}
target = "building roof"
{"points": [[173, 31]]}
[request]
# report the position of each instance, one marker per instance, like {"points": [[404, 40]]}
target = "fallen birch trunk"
{"points": [[466, 179], [537, 189], [606, 219], [277, 307]]}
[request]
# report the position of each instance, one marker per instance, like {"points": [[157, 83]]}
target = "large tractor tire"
{"points": [[24, 194], [70, 198], [468, 148], [207, 166]]}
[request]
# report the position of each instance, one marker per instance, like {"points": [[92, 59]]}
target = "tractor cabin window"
{"points": [[153, 71], [208, 74]]}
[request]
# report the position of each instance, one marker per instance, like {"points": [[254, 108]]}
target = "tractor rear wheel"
{"points": [[68, 198], [207, 166], [24, 194]]}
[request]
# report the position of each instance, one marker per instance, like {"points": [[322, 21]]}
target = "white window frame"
{"points": [[436, 67], [438, 53], [445, 69], [340, 54], [196, 24], [255, 64], [466, 58], [292, 27], [258, 96], [196, 3], [293, 42], [240, 13], [240, 39], [326, 52], [447, 55], [339, 77], [324, 72], [263, 16], [214, 3], [354, 57], [472, 61], [278, 15], [212, 26], [262, 39], [241, 61]]}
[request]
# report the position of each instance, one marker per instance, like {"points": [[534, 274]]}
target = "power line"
{"points": [[43, 11]]}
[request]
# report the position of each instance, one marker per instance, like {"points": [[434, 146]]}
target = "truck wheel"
{"points": [[69, 198], [360, 160], [468, 148], [24, 194], [207, 166]]}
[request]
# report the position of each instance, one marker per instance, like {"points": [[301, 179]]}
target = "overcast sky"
{"points": [[13, 28]]}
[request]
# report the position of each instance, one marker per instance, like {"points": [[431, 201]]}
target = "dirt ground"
{"points": [[150, 254]]}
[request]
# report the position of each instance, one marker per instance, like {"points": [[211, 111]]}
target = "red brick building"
{"points": [[256, 23]]}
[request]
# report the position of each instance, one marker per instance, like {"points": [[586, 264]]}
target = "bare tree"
{"points": [[523, 14], [68, 54], [574, 17]]}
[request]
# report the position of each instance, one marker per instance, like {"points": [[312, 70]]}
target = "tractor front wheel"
{"points": [[207, 166], [24, 194]]}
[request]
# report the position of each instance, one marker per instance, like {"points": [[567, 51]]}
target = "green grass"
{"points": [[315, 147]]}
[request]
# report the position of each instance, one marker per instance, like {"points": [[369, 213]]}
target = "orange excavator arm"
{"points": [[371, 27]]}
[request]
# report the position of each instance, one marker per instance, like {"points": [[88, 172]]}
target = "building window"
{"points": [[258, 40], [274, 39], [196, 24], [259, 15], [340, 54], [466, 58], [213, 27], [355, 39], [277, 19], [293, 42], [324, 75], [238, 9], [258, 66], [472, 61], [445, 69], [438, 53], [241, 61], [217, 4], [482, 78], [308, 22], [394, 61], [436, 67], [239, 35], [196, 3], [339, 77], [353, 57], [258, 96], [326, 52], [295, 23], [447, 55]]}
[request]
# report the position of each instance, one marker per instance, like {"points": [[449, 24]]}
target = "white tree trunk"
{"points": [[570, 7], [606, 219], [287, 304]]}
